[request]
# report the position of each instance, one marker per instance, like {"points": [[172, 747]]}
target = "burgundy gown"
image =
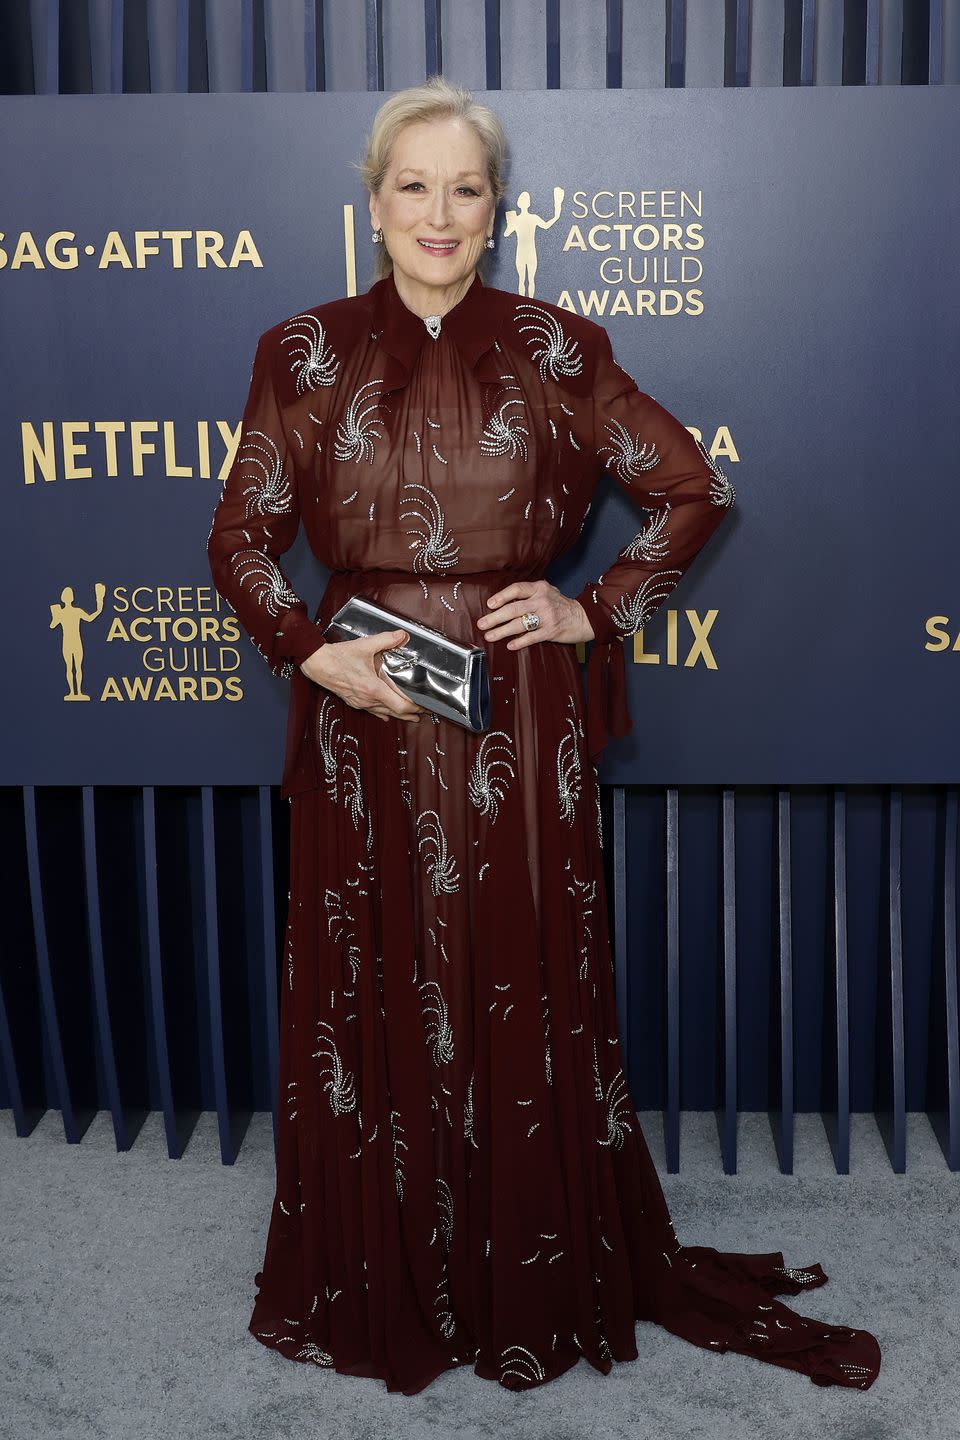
{"points": [[461, 1175]]}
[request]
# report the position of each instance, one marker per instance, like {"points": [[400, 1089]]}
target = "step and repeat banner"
{"points": [[777, 267]]}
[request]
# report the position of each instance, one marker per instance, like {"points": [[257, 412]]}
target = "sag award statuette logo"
{"points": [[155, 642], [69, 618], [524, 223], [614, 251]]}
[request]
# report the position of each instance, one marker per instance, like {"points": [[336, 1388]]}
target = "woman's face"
{"points": [[436, 188]]}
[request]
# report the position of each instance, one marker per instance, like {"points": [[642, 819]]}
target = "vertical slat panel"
{"points": [[871, 68], [620, 923], [828, 40], [704, 47], [766, 42], [101, 1004], [614, 60], [492, 43], [675, 58], [162, 46], [935, 73], [34, 43], [523, 45], [782, 1107], [808, 50], [48, 1000], [740, 48], [246, 46], [215, 1007], [51, 79], [583, 36], [309, 46], [116, 47], [374, 44], [891, 41], [915, 67], [21, 1044], [947, 1126], [432, 37], [891, 1116], [321, 44], [464, 43], [183, 46], [284, 30], [158, 1013], [8, 1064], [672, 1114], [404, 42], [553, 44], [727, 1114], [198, 74], [837, 1120], [312, 28], [951, 42], [100, 20]]}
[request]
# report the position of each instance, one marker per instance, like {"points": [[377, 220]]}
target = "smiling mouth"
{"points": [[439, 247]]}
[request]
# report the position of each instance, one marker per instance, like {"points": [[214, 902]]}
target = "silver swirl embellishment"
{"points": [[358, 429], [616, 1098], [630, 458], [435, 546], [569, 774], [270, 492], [556, 353], [338, 1082], [312, 361], [653, 541], [439, 1031], [721, 490], [432, 844], [261, 574], [503, 434], [631, 615], [485, 792]]}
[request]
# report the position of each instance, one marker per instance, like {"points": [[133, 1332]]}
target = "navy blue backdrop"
{"points": [[746, 284]]}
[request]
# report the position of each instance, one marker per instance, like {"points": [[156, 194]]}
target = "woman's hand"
{"points": [[561, 618], [350, 669]]}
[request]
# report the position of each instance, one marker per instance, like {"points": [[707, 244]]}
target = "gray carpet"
{"points": [[126, 1284]]}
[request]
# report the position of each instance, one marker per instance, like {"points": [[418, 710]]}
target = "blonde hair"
{"points": [[437, 99]]}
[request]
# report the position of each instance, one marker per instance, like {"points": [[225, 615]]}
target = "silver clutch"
{"points": [[438, 673]]}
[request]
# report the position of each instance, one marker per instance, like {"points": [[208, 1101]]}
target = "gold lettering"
{"points": [[114, 252], [139, 447], [245, 250], [72, 448], [110, 429], [170, 453], [209, 246], [935, 627], [35, 454], [142, 248], [176, 238]]}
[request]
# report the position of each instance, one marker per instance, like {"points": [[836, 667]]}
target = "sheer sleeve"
{"points": [[255, 520], [665, 470]]}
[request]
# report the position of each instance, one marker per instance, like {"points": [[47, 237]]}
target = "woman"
{"points": [[461, 1176]]}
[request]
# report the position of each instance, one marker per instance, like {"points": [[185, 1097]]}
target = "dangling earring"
{"points": [[377, 237], [489, 242]]}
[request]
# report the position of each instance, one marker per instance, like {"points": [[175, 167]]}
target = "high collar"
{"points": [[471, 323]]}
